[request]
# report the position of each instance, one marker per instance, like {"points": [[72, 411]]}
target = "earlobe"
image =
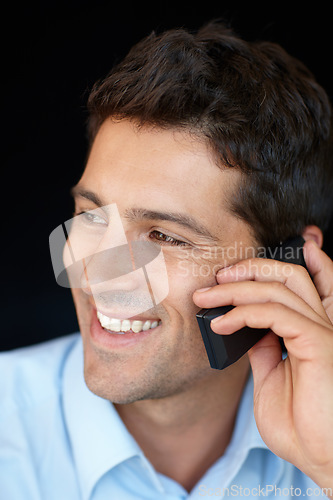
{"points": [[313, 233]]}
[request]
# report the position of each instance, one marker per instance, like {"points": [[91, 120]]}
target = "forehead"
{"points": [[157, 165], [153, 158], [166, 171]]}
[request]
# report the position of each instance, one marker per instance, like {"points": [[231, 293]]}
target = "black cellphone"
{"points": [[223, 350]]}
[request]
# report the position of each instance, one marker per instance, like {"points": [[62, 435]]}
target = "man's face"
{"points": [[168, 190]]}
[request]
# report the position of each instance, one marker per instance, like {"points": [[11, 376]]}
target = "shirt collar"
{"points": [[245, 441], [87, 416]]}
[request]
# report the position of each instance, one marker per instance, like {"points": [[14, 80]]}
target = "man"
{"points": [[210, 148]]}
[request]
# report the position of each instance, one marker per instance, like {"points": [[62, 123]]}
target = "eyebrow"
{"points": [[88, 195], [181, 219], [135, 214]]}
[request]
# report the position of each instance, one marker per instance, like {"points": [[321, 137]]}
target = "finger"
{"points": [[264, 357], [249, 292], [295, 277], [303, 337], [321, 269]]}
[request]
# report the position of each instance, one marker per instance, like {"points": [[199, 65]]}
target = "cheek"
{"points": [[185, 277], [194, 273]]}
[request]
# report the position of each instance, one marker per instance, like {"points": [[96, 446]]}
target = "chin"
{"points": [[121, 385], [124, 393]]}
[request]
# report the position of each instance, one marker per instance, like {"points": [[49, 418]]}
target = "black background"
{"points": [[52, 52]]}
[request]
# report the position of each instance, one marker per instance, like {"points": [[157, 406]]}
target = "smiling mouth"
{"points": [[115, 325]]}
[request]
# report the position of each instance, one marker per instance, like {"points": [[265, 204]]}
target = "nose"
{"points": [[118, 265], [109, 269], [118, 281]]}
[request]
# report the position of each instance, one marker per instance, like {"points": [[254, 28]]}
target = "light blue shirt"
{"points": [[59, 441]]}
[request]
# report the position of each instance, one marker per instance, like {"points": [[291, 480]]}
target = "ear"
{"points": [[313, 233]]}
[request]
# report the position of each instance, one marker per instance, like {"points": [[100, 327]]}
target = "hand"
{"points": [[293, 398]]}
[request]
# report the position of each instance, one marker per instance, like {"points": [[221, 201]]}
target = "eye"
{"points": [[164, 239], [91, 218]]}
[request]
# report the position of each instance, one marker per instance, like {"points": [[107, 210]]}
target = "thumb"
{"points": [[264, 357], [320, 267]]}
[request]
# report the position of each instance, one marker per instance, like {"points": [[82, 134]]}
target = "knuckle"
{"points": [[277, 286], [278, 308], [302, 271], [274, 308]]}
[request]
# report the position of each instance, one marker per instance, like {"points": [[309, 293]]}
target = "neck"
{"points": [[184, 434]]}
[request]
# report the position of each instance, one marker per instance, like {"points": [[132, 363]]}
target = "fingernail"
{"points": [[217, 319], [224, 269], [203, 289]]}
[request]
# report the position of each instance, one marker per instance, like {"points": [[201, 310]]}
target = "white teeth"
{"points": [[125, 325], [122, 326], [146, 325], [137, 326], [114, 324]]}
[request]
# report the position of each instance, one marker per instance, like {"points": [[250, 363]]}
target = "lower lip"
{"points": [[116, 340]]}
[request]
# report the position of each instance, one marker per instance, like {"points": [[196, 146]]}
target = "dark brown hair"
{"points": [[260, 109]]}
